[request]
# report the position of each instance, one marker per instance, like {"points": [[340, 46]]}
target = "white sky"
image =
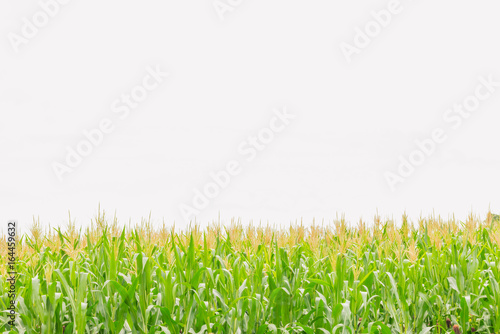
{"points": [[353, 120]]}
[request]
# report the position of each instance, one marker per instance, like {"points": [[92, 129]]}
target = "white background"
{"points": [[353, 120]]}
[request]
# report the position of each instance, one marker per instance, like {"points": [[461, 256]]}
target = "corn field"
{"points": [[428, 276]]}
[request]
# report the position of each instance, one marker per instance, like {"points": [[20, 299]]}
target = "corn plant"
{"points": [[428, 276]]}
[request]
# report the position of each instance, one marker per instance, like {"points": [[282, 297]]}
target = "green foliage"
{"points": [[379, 280]]}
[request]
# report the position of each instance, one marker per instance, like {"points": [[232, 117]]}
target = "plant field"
{"points": [[428, 276]]}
